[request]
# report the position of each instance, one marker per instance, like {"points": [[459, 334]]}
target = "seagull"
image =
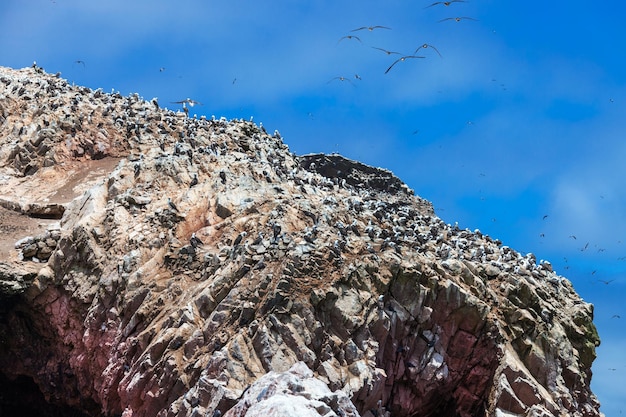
{"points": [[445, 3], [187, 101], [340, 79], [616, 316], [402, 59], [350, 37], [427, 45], [458, 19], [386, 51], [370, 28], [605, 282]]}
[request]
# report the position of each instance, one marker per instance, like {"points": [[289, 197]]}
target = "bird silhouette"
{"points": [[402, 59], [427, 45], [187, 101], [386, 51], [445, 3], [458, 19], [370, 28], [78, 61], [349, 37], [340, 79]]}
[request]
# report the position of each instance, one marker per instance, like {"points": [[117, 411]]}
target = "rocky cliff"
{"points": [[154, 264]]}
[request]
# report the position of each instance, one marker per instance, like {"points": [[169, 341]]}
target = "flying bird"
{"points": [[545, 216], [370, 28], [340, 79], [427, 45], [402, 59], [349, 37], [458, 19], [187, 101], [445, 3], [386, 51], [78, 61], [605, 282]]}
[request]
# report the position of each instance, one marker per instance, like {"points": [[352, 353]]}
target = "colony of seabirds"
{"points": [[390, 227]]}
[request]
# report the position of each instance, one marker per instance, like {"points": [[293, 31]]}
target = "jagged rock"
{"points": [[164, 299]]}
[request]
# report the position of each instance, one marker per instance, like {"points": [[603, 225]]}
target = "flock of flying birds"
{"points": [[402, 57]]}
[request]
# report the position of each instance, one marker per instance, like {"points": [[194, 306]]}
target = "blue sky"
{"points": [[522, 116]]}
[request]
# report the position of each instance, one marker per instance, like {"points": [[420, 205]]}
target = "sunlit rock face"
{"points": [[156, 264]]}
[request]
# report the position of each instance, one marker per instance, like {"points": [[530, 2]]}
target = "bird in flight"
{"points": [[340, 79], [187, 101], [605, 282], [349, 37], [386, 51], [545, 216], [402, 59], [78, 61], [445, 3], [370, 28], [458, 19], [427, 45]]}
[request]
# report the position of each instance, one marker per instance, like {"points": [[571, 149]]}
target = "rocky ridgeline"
{"points": [[210, 271]]}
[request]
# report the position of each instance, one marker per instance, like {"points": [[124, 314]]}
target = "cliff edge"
{"points": [[153, 264]]}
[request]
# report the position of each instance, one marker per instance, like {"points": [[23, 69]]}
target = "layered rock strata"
{"points": [[200, 268]]}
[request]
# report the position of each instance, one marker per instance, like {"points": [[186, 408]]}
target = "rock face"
{"points": [[193, 267]]}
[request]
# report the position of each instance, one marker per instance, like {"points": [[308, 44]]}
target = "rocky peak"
{"points": [[192, 266]]}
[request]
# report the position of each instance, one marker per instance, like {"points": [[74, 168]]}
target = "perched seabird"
{"points": [[381, 301], [195, 241], [445, 3], [194, 181], [386, 51], [370, 28], [427, 45], [349, 37], [223, 177], [402, 59], [458, 19], [171, 204], [239, 238]]}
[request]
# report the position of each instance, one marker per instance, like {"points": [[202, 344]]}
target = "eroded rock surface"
{"points": [[198, 260]]}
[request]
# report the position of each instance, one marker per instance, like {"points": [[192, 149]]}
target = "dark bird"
{"points": [[370, 28], [545, 216], [223, 177], [194, 241], [427, 45], [239, 238], [605, 282], [615, 316], [445, 3], [573, 237], [349, 37], [357, 76], [78, 61], [584, 248], [194, 181], [340, 79], [386, 51], [276, 229], [458, 19], [137, 170], [161, 69], [171, 204], [402, 59]]}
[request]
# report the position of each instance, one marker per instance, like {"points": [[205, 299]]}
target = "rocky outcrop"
{"points": [[201, 268]]}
